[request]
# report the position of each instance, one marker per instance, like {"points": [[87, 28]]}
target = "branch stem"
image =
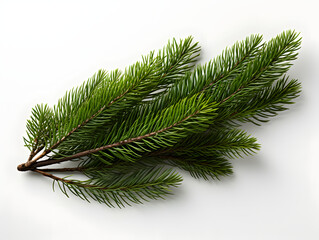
{"points": [[76, 169]]}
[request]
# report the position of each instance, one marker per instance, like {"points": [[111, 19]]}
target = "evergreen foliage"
{"points": [[126, 130]]}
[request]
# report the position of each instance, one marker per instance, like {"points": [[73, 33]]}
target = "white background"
{"points": [[47, 47]]}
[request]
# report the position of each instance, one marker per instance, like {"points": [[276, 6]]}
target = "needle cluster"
{"points": [[127, 131]]}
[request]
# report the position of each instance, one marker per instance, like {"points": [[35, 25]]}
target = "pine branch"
{"points": [[267, 102], [173, 61], [217, 71], [206, 167], [231, 143], [123, 128], [271, 64], [137, 79], [142, 185], [193, 113]]}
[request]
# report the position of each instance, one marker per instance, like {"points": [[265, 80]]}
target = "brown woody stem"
{"points": [[70, 181], [76, 169]]}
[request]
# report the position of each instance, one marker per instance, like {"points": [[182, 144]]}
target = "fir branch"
{"points": [[142, 185], [232, 143], [121, 128], [194, 113], [175, 59], [217, 71], [273, 61], [268, 102], [206, 167]]}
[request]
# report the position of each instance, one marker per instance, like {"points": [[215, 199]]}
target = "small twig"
{"points": [[73, 182], [51, 176], [34, 152], [76, 169]]}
